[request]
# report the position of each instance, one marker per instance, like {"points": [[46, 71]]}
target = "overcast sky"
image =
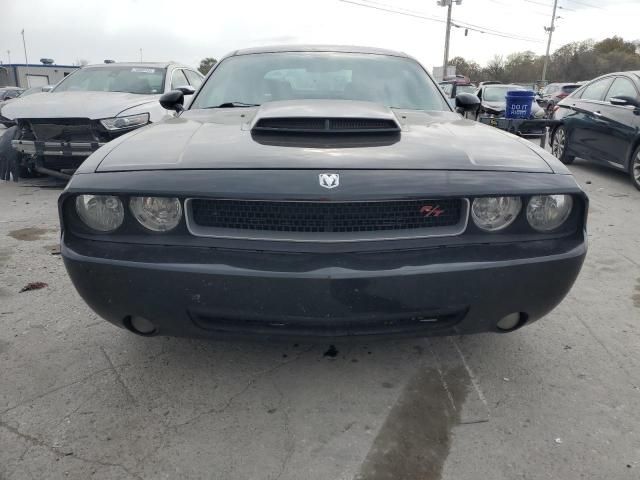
{"points": [[187, 31]]}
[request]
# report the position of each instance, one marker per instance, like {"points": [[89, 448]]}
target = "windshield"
{"points": [[259, 78], [131, 79], [447, 88], [498, 93], [466, 89], [31, 91]]}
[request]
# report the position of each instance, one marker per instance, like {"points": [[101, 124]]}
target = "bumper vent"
{"points": [[326, 221]]}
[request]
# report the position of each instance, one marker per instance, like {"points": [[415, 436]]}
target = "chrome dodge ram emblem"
{"points": [[329, 180]]}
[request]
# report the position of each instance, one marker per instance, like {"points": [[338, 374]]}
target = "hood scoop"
{"points": [[325, 125], [324, 117]]}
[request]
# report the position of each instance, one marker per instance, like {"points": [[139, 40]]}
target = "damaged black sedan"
{"points": [[321, 191]]}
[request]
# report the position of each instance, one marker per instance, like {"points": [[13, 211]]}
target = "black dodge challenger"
{"points": [[321, 191]]}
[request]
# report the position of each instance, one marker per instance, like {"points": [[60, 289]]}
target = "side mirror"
{"points": [[623, 101], [173, 100], [47, 88], [186, 89], [467, 102]]}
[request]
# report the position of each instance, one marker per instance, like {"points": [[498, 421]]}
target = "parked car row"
{"points": [[600, 122], [553, 93], [52, 133]]}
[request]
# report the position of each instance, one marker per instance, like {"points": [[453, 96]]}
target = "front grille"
{"points": [[327, 218], [65, 130]]}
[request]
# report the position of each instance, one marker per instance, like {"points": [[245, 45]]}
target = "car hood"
{"points": [[223, 139], [93, 105]]}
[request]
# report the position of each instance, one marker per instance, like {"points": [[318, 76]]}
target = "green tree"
{"points": [[495, 68], [463, 67], [615, 43], [206, 64]]}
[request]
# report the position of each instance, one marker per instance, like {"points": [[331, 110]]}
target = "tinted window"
{"points": [[596, 90], [570, 88], [260, 78], [621, 87], [142, 80], [178, 79], [195, 80]]}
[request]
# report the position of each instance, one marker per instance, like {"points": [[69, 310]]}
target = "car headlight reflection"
{"points": [[103, 213], [122, 123], [495, 213], [158, 214], [548, 212]]}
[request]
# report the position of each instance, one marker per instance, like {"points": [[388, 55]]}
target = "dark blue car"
{"points": [[601, 123]]}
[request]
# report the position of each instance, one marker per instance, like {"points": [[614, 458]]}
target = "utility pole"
{"points": [[449, 5], [24, 45], [141, 54], [9, 55], [26, 59], [551, 29]]}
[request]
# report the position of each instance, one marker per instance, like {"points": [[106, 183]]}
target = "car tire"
{"points": [[559, 146], [9, 157], [634, 168]]}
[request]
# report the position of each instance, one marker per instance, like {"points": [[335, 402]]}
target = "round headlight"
{"points": [[547, 212], [495, 213], [103, 213], [158, 214]]}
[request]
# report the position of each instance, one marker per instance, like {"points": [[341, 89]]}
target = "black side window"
{"points": [[596, 90], [622, 87], [178, 79]]}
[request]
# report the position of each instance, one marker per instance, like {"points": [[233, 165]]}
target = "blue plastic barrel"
{"points": [[519, 103]]}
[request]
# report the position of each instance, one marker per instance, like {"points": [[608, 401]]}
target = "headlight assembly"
{"points": [[495, 213], [548, 212], [158, 214], [103, 213], [122, 123]]}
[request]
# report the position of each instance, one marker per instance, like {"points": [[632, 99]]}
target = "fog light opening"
{"points": [[512, 322], [140, 326]]}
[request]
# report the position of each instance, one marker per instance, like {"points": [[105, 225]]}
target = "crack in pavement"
{"points": [[128, 393], [56, 389], [289, 438], [37, 442], [249, 384]]}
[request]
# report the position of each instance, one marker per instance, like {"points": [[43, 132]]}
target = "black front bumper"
{"points": [[212, 292]]}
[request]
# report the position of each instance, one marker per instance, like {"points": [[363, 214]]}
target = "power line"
{"points": [[415, 15], [455, 23], [584, 4], [549, 5], [490, 31], [533, 12]]}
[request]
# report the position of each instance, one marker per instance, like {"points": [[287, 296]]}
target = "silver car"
{"points": [[54, 132]]}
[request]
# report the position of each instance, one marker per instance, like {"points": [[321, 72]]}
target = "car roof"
{"points": [[509, 85], [613, 74], [319, 48], [135, 64]]}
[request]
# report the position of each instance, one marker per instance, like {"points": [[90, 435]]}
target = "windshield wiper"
{"points": [[235, 104]]}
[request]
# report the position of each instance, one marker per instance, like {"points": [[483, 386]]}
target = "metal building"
{"points": [[32, 75]]}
